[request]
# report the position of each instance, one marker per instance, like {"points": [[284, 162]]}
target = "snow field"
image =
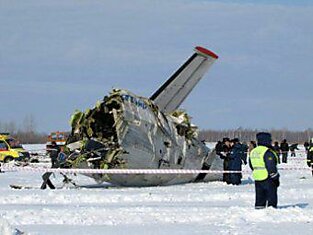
{"points": [[199, 208]]}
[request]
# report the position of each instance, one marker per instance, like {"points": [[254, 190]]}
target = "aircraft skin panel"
{"points": [[145, 148], [175, 90]]}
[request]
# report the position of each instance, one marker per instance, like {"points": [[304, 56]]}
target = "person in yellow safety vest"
{"points": [[310, 156], [263, 161]]}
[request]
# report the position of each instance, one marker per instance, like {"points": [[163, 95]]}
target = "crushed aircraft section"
{"points": [[128, 131], [125, 131]]}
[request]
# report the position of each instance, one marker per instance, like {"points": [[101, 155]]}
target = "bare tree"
{"points": [[29, 124], [27, 134]]}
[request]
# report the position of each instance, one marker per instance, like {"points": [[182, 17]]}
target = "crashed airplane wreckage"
{"points": [[126, 131]]}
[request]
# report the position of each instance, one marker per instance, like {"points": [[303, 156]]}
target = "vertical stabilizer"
{"points": [[175, 90]]}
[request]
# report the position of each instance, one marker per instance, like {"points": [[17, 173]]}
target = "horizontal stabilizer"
{"points": [[175, 90]]}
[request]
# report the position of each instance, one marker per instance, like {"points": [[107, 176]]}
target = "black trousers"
{"points": [[265, 194], [284, 160], [235, 178], [47, 181], [278, 156], [226, 176]]}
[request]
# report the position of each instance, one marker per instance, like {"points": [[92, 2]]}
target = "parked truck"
{"points": [[59, 137]]}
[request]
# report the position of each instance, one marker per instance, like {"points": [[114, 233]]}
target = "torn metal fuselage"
{"points": [[126, 131]]}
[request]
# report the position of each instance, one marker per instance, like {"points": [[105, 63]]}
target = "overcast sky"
{"points": [[57, 56]]}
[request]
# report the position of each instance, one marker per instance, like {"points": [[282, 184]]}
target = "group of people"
{"points": [[234, 155], [283, 150], [263, 160]]}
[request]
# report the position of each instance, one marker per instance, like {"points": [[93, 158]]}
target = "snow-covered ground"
{"points": [[200, 208]]}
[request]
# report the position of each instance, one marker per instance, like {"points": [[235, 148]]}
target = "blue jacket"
{"points": [[238, 154]]}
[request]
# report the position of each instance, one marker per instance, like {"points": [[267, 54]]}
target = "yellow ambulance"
{"points": [[11, 149]]}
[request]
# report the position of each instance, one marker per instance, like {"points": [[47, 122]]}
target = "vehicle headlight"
{"points": [[20, 154]]}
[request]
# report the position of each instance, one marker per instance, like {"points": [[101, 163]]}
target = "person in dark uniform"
{"points": [[225, 153], [310, 156], [263, 162], [306, 146], [53, 153], [222, 149], [293, 148], [219, 147], [237, 156], [276, 148], [284, 148]]}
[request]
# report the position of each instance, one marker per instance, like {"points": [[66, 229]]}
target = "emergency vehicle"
{"points": [[59, 137], [11, 149]]}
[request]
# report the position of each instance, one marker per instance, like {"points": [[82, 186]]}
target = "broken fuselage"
{"points": [[125, 131], [129, 132]]}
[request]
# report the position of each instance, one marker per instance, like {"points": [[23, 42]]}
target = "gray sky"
{"points": [[58, 56]]}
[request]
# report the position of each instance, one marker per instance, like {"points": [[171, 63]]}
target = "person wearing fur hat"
{"points": [[263, 162]]}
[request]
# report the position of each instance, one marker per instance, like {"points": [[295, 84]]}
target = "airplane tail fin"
{"points": [[175, 90]]}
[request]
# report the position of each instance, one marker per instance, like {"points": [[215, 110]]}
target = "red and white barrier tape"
{"points": [[131, 171], [289, 152], [114, 171]]}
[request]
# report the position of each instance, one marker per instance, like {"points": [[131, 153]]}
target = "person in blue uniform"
{"points": [[223, 150], [237, 156], [263, 162]]}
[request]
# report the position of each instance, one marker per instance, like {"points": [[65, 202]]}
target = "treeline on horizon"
{"points": [[246, 135], [26, 133]]}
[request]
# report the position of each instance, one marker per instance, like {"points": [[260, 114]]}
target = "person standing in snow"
{"points": [[292, 149], [54, 153], [224, 154], [276, 148], [306, 146], [310, 156], [263, 162], [219, 147], [284, 147], [238, 155]]}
